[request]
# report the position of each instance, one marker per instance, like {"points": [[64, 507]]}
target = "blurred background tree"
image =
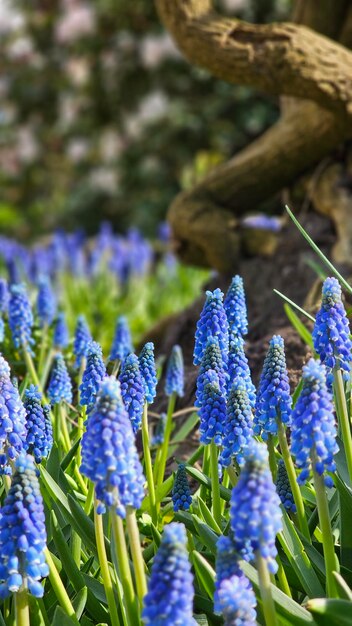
{"points": [[101, 118]]}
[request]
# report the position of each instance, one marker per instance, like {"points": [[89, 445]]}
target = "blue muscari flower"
{"points": [[283, 488], [48, 425], [93, 374], [46, 302], [148, 371], [61, 335], [159, 431], [174, 380], [313, 437], [122, 343], [181, 493], [273, 399], [255, 514], [212, 412], [4, 295], [212, 323], [109, 454], [211, 360], [39, 433], [60, 386], [237, 431], [235, 307], [22, 532], [238, 367], [169, 600], [132, 390], [20, 317], [331, 333], [81, 340], [12, 420], [262, 222], [234, 597]]}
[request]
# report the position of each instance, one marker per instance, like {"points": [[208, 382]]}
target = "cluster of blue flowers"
{"points": [[93, 374], [122, 342], [174, 382], [60, 386], [132, 390], [12, 420], [39, 436], [20, 317], [181, 493]]}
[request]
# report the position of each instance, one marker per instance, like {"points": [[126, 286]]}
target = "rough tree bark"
{"points": [[301, 62]]}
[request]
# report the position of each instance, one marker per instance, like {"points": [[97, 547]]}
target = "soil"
{"points": [[289, 272]]}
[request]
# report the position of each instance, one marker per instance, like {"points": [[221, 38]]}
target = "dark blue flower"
{"points": [[122, 343], [93, 374], [238, 367], [212, 412], [132, 390], [273, 399], [313, 437], [235, 307], [212, 323], [234, 597], [109, 454], [46, 302], [331, 333], [20, 317], [22, 532], [159, 431], [283, 488], [237, 431], [148, 371], [169, 600], [181, 493], [60, 386], [39, 433], [255, 514], [61, 336], [4, 295], [211, 360], [81, 340], [174, 380], [12, 420]]}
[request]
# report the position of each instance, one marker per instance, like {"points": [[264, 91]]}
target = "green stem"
{"points": [[46, 369], [44, 337], [265, 591], [165, 444], [215, 486], [89, 499], [226, 484], [59, 588], [206, 470], [136, 551], [104, 567], [291, 473], [124, 569], [282, 578], [343, 419], [330, 558], [272, 457], [232, 475], [148, 464], [22, 607], [30, 367]]}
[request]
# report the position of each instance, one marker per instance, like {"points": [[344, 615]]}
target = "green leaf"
{"points": [[344, 591], [331, 612], [345, 498], [294, 305], [205, 605], [202, 620], [207, 516], [62, 619], [319, 252], [205, 480], [205, 572], [303, 332], [70, 455], [299, 560], [84, 526], [79, 602], [206, 534], [183, 433]]}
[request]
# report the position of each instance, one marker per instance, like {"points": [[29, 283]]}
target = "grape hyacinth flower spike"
{"points": [[4, 296], [81, 340], [159, 431], [148, 371], [109, 454], [122, 343], [170, 590], [132, 390], [283, 488], [174, 382], [181, 493], [211, 360], [46, 302], [212, 413], [39, 432], [238, 367], [60, 386], [234, 597], [22, 533], [12, 420], [20, 318], [235, 307], [61, 336], [212, 323], [237, 431], [93, 375]]}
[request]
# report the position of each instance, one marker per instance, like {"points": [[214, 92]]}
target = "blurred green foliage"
{"points": [[102, 118]]}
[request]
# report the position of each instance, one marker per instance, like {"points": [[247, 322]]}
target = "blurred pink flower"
{"points": [[154, 49], [78, 20], [77, 149]]}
